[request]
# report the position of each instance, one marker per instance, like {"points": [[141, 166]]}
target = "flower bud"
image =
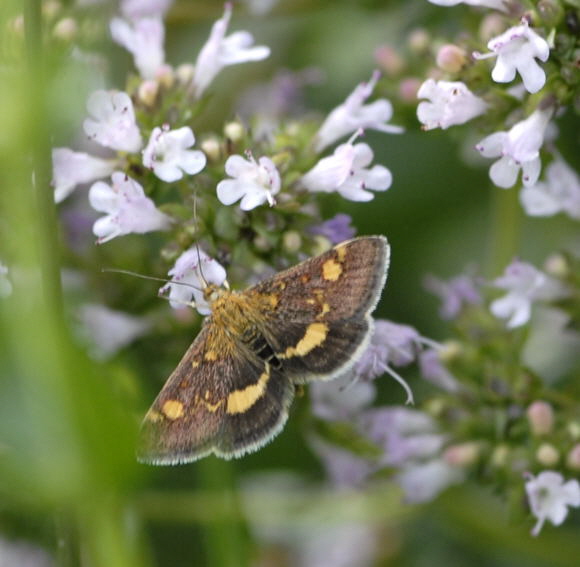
{"points": [[547, 455], [292, 241], [408, 89], [550, 11], [491, 25], [389, 60], [556, 265], [573, 458], [66, 29], [211, 147], [165, 76], [449, 351], [574, 430], [462, 454], [540, 417], [147, 92], [51, 8], [500, 455], [451, 58], [234, 131], [419, 40], [184, 73]]}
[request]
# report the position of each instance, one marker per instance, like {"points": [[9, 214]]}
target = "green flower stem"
{"points": [[504, 238], [225, 537]]}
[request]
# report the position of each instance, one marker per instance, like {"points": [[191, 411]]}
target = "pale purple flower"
{"points": [[450, 103], [127, 209], [560, 192], [341, 398], [517, 149], [137, 9], [353, 114], [433, 371], [220, 51], [112, 123], [517, 50], [70, 168], [549, 497], [337, 229], [108, 330], [254, 182], [525, 284], [346, 173], [144, 39], [190, 275], [494, 4], [455, 293], [168, 156], [422, 482], [5, 283]]}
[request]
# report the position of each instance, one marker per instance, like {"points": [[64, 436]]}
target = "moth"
{"points": [[232, 390]]}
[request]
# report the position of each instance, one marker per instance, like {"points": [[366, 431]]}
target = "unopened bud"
{"points": [[462, 455], [147, 92], [547, 455], [500, 455], [491, 25], [408, 89], [540, 417], [66, 29], [419, 40], [165, 76], [184, 73], [556, 265], [234, 131], [573, 458], [449, 351], [451, 58], [211, 147], [389, 60], [574, 430], [292, 241], [51, 8]]}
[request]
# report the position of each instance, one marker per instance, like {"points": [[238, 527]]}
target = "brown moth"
{"points": [[231, 391]]}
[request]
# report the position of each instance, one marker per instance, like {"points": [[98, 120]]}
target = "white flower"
{"points": [[190, 275], [422, 482], [5, 283], [559, 193], [525, 284], [549, 497], [517, 50], [495, 4], [128, 209], [112, 123], [136, 9], [70, 169], [517, 149], [450, 103], [143, 38], [353, 114], [254, 182], [167, 154], [220, 51], [109, 331], [346, 173]]}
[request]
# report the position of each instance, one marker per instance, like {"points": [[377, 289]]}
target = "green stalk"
{"points": [[505, 229]]}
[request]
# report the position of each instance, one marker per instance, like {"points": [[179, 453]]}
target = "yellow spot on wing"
{"points": [[212, 407], [172, 409], [341, 252], [240, 401], [325, 308], [314, 336], [153, 416], [331, 270], [211, 355]]}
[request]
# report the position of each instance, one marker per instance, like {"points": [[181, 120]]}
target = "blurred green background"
{"points": [[68, 479]]}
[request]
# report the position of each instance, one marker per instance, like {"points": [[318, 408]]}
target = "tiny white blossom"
{"points": [[191, 273], [70, 168], [549, 497], [353, 115], [346, 172], [220, 51], [253, 182], [167, 155], [517, 50], [517, 149], [5, 283], [560, 192], [450, 103], [137, 9], [108, 330], [127, 209], [495, 4], [112, 123], [143, 38], [524, 284]]}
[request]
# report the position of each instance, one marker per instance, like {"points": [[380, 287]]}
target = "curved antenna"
{"points": [[200, 269], [143, 277]]}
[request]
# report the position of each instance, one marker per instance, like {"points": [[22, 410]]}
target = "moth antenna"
{"points": [[152, 278], [201, 276]]}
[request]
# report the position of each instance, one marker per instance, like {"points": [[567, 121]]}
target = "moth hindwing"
{"points": [[231, 391]]}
